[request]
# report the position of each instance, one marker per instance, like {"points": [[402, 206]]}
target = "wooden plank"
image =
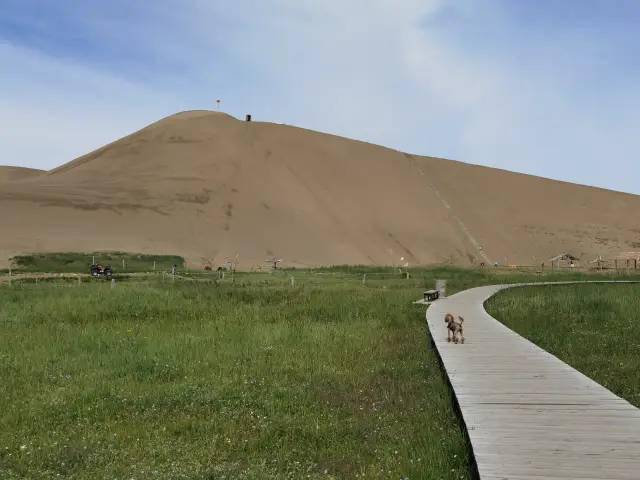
{"points": [[529, 415]]}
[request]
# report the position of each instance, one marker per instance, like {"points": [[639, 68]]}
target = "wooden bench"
{"points": [[431, 295]]}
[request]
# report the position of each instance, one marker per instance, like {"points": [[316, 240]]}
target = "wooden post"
{"points": [[123, 267], [293, 281], [93, 260], [364, 278], [154, 265]]}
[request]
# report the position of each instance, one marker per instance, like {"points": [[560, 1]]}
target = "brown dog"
{"points": [[455, 331]]}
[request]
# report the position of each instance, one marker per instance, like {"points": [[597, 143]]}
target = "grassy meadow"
{"points": [[599, 331], [323, 374], [70, 262], [201, 380]]}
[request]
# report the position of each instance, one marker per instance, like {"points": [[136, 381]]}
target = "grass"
{"points": [[599, 334], [80, 262], [193, 380], [243, 378], [395, 279]]}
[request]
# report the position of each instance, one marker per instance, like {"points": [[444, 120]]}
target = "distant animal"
{"points": [[455, 330]]}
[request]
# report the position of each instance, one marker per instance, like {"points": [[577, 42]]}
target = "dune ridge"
{"points": [[208, 186]]}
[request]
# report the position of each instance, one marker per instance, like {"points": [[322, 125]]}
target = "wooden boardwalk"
{"points": [[529, 415]]}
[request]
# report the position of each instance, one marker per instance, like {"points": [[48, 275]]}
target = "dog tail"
{"points": [[461, 319]]}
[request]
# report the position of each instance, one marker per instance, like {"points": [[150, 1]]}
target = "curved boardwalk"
{"points": [[529, 415]]}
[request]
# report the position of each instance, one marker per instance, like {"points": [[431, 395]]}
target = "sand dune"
{"points": [[8, 174], [207, 186]]}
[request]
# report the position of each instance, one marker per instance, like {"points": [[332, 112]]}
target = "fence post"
{"points": [[364, 278], [293, 281], [154, 265]]}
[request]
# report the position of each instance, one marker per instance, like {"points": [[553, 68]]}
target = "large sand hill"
{"points": [[8, 174], [207, 186]]}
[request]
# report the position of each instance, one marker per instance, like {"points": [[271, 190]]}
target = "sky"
{"points": [[546, 87]]}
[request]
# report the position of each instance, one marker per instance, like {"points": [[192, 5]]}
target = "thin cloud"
{"points": [[466, 80]]}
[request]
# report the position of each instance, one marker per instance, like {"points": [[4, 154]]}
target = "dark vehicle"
{"points": [[98, 271]]}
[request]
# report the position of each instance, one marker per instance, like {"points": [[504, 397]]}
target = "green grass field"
{"points": [[599, 331], [246, 377], [80, 262], [194, 380]]}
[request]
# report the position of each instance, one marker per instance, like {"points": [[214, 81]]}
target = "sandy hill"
{"points": [[208, 186], [8, 174]]}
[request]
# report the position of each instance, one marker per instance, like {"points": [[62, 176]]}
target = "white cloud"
{"points": [[54, 110]]}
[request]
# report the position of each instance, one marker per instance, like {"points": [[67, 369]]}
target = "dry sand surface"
{"points": [[207, 186], [8, 174]]}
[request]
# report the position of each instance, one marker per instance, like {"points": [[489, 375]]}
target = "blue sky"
{"points": [[545, 87]]}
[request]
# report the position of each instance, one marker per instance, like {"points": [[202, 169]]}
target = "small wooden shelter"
{"points": [[564, 260]]}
